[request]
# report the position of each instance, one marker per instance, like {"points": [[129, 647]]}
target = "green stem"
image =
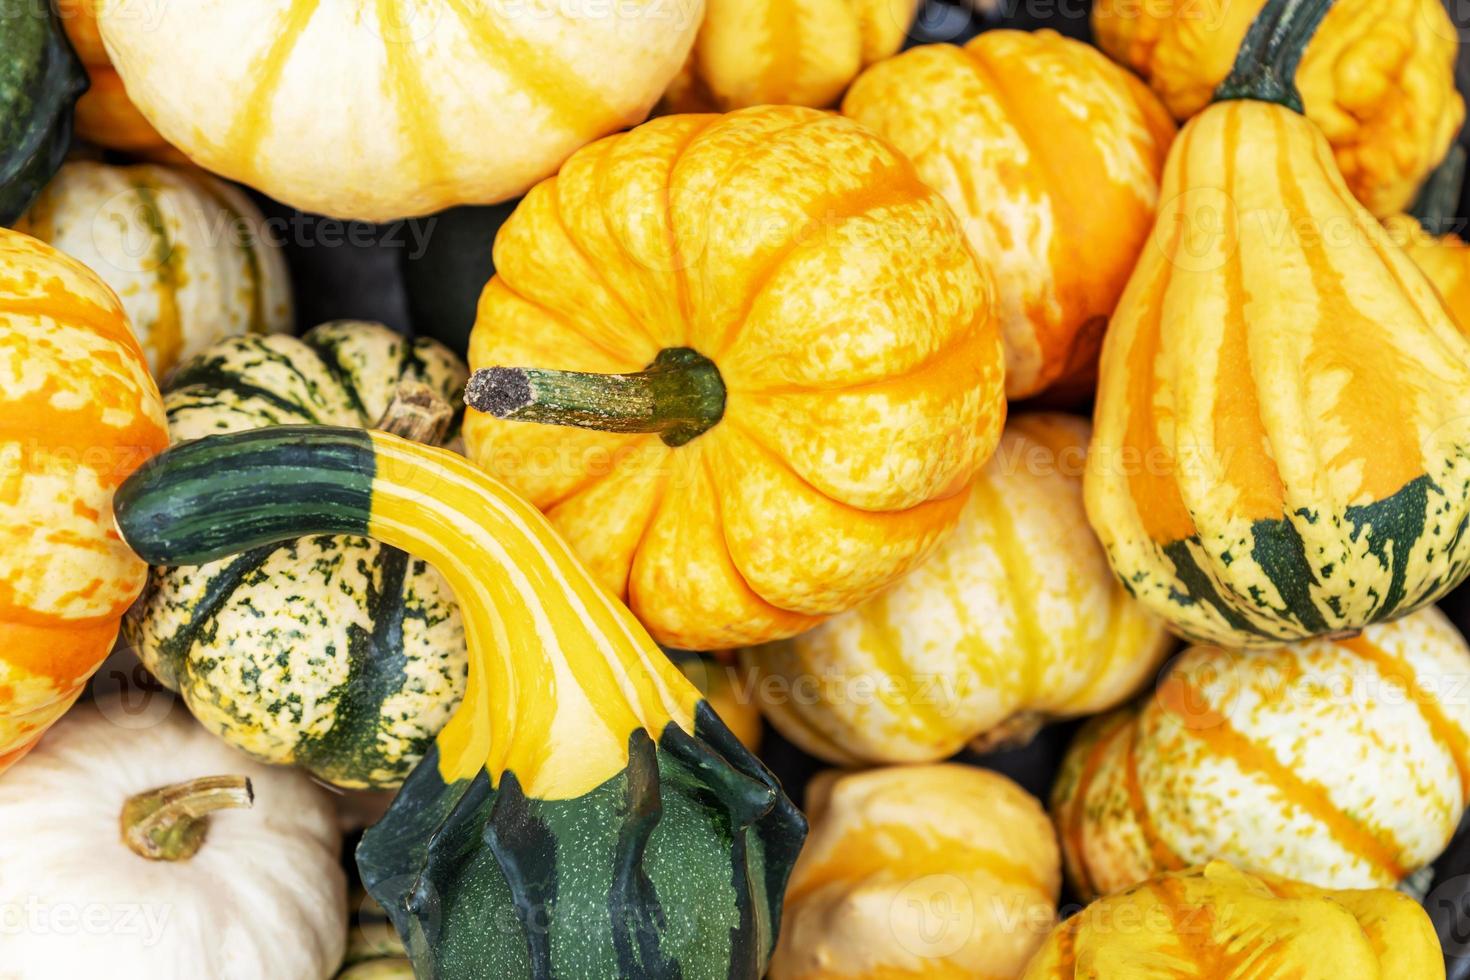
{"points": [[1438, 204], [170, 823], [1265, 67], [679, 396]]}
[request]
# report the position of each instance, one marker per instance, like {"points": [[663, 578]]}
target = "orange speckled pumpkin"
{"points": [[1051, 155], [805, 374], [78, 413]]}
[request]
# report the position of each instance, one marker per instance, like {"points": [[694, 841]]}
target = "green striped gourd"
{"points": [[40, 81]]}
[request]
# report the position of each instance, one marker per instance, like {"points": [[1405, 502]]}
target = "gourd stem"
{"points": [[1438, 203], [171, 823], [417, 413], [1265, 67], [679, 396]]}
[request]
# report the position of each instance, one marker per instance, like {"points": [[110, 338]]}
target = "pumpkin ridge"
{"points": [[416, 107], [264, 76], [170, 337], [1163, 855], [1020, 572], [671, 235], [1072, 820], [247, 246], [719, 517], [328, 350]]}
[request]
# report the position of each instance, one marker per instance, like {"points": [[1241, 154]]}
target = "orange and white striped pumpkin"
{"points": [[1051, 155], [1342, 763], [1015, 620], [78, 413], [943, 871]]}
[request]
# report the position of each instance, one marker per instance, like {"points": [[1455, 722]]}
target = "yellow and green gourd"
{"points": [[332, 652], [584, 813]]}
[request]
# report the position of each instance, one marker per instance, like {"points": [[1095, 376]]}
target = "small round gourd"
{"points": [[186, 254], [1344, 763], [1051, 156], [932, 871], [223, 868], [334, 653], [1016, 620]]}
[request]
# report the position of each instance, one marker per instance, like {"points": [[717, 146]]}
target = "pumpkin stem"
{"points": [[417, 413], [1439, 198], [679, 396], [1015, 732], [1265, 67], [171, 823]]}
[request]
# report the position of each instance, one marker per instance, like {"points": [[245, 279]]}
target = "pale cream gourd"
{"points": [[263, 898], [1015, 620], [393, 108], [946, 872]]}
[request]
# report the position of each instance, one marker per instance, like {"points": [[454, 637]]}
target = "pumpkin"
{"points": [[1218, 923], [1378, 79], [1051, 155], [746, 365], [1017, 619], [584, 798], [334, 653], [785, 52], [418, 106], [206, 834], [188, 255], [104, 114], [1284, 403], [1426, 234], [919, 871], [78, 413], [40, 80], [1344, 763]]}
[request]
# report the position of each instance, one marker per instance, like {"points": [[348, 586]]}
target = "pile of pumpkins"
{"points": [[773, 411]]}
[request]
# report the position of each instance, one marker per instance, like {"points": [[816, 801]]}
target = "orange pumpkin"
{"points": [[78, 413]]}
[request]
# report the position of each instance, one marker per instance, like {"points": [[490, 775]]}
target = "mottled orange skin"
{"points": [[1051, 156], [78, 413], [1444, 259], [850, 322]]}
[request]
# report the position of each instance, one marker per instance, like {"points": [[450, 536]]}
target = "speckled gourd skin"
{"points": [[1015, 619], [1218, 923], [1051, 155], [1378, 77], [847, 317], [947, 872], [1340, 763], [335, 653]]}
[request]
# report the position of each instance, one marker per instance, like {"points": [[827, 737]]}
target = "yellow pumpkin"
{"points": [[1283, 411], [1051, 155], [785, 52], [1378, 79], [1015, 620], [805, 372], [396, 108], [1218, 923], [1344, 763], [943, 871], [187, 254]]}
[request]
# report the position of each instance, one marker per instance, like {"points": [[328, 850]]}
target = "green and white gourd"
{"points": [[334, 653]]}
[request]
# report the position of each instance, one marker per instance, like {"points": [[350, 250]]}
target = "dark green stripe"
{"points": [[1278, 548], [329, 352], [1392, 528], [1199, 588], [41, 79]]}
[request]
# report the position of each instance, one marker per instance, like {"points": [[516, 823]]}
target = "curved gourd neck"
{"points": [[1265, 67]]}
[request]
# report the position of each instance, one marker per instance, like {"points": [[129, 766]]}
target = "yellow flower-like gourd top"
{"points": [[785, 52], [807, 371], [381, 109], [1218, 923], [1344, 763], [1051, 155], [1378, 78], [892, 849], [1016, 619]]}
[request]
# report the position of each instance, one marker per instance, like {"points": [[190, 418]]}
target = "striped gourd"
{"points": [[1017, 619], [78, 412], [334, 653], [785, 52], [946, 872], [584, 813], [1344, 763], [1048, 152], [184, 252], [40, 80], [1218, 923], [1283, 419], [1444, 260]]}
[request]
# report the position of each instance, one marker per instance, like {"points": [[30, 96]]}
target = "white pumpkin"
{"points": [[263, 898], [186, 254], [396, 108]]}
